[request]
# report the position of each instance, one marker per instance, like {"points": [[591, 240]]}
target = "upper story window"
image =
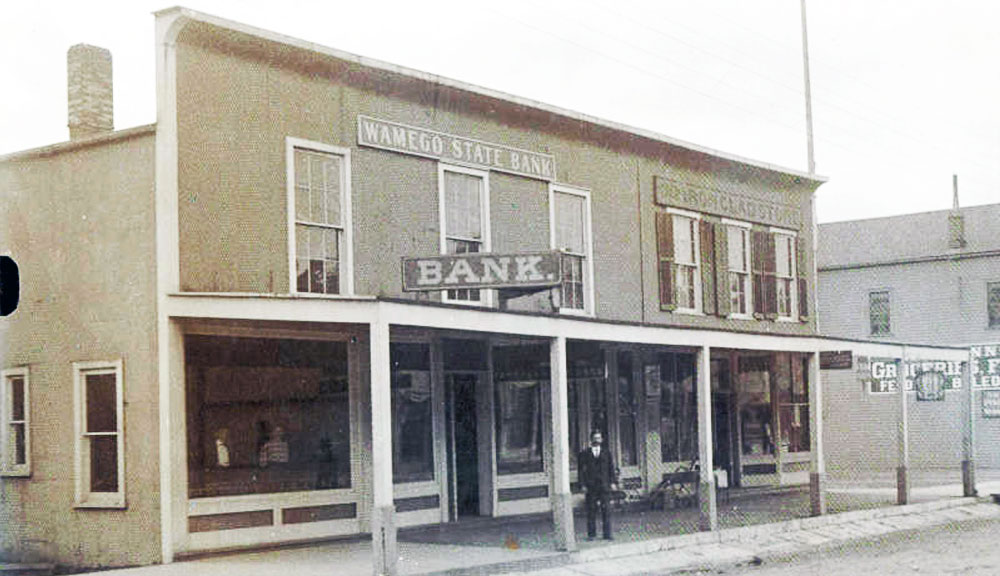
{"points": [[686, 261], [465, 221], [784, 272], [993, 304], [570, 217], [15, 421], [878, 313], [738, 251], [100, 434], [320, 221]]}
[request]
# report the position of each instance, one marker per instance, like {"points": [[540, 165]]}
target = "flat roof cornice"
{"points": [[267, 35]]}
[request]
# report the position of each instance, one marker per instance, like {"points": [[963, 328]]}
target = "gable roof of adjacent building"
{"points": [[907, 238]]}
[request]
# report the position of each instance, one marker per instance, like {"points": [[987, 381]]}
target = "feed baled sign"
{"points": [[482, 270]]}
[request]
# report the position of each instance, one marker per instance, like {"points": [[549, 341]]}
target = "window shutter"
{"points": [[706, 232], [722, 270], [758, 248], [801, 268], [770, 279], [665, 259]]}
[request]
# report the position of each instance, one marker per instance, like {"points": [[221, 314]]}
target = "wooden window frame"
{"points": [[345, 229], [7, 466], [586, 256], [485, 296], [84, 498]]}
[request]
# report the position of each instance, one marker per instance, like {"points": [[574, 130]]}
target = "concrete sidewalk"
{"points": [[708, 550]]}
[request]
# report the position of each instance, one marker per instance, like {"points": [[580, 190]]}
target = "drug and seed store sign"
{"points": [[985, 372]]}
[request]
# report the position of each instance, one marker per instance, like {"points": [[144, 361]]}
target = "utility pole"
{"points": [[805, 66]]}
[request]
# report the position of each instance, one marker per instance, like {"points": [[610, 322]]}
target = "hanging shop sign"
{"points": [[985, 372], [991, 403], [880, 375], [483, 270], [417, 141], [836, 360]]}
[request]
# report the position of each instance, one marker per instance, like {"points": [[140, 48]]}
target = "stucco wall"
{"points": [[237, 103], [80, 224]]}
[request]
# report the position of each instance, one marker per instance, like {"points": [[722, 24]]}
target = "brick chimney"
{"points": [[91, 97]]}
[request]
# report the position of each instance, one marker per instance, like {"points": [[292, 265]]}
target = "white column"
{"points": [[562, 499], [902, 436], [968, 431], [384, 553], [817, 463], [708, 518]]}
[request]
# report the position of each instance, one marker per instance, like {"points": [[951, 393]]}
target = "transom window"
{"points": [[571, 235], [738, 238], [465, 220], [784, 260], [15, 432], [320, 194], [100, 439]]}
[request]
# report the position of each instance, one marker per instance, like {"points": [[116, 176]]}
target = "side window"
{"points": [[320, 218], [878, 313], [465, 224], [100, 438], [993, 304], [16, 422], [571, 234]]}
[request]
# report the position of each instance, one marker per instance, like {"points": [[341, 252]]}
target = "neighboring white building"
{"points": [[932, 277]]}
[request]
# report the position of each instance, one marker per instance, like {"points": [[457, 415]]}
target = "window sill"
{"points": [[15, 474], [688, 312], [740, 317], [102, 505], [576, 312]]}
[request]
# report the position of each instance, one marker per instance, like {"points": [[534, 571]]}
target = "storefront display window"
{"points": [[627, 411], [412, 413], [678, 408], [755, 405], [793, 402], [519, 372], [266, 415]]}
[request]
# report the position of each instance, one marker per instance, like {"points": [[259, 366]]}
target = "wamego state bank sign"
{"points": [[483, 270]]}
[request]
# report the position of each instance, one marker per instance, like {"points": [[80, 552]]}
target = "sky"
{"points": [[905, 92]]}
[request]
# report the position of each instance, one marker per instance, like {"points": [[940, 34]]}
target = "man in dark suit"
{"points": [[598, 476]]}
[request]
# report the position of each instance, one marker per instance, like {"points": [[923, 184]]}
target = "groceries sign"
{"points": [[483, 270], [449, 147], [881, 374]]}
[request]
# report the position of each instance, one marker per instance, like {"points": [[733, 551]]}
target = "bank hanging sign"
{"points": [[934, 377], [482, 270], [405, 139]]}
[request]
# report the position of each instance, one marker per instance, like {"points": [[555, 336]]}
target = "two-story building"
{"points": [[926, 277], [325, 295]]}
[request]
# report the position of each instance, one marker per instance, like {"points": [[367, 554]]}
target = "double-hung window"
{"points": [[878, 313], [993, 304], [465, 221], [100, 438], [686, 251], [319, 218], [784, 271], [738, 251], [570, 217], [15, 437]]}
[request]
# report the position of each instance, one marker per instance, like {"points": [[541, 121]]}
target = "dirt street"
{"points": [[966, 548]]}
